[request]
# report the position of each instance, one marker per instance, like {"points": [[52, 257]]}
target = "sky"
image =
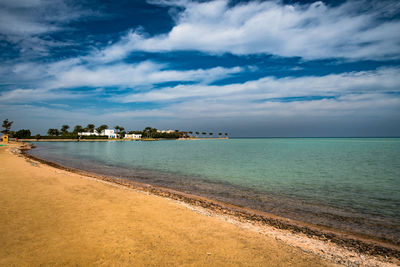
{"points": [[249, 68]]}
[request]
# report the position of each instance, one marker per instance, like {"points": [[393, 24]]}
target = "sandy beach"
{"points": [[51, 216]]}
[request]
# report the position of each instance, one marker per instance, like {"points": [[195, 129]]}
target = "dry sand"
{"points": [[53, 217]]}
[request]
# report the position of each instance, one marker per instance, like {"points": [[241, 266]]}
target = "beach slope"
{"points": [[54, 217]]}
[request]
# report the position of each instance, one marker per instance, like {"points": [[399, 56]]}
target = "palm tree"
{"points": [[78, 129], [210, 134], [220, 134], [226, 134], [7, 126], [53, 132], [191, 133], [197, 134], [121, 132], [64, 129], [90, 128], [204, 134], [148, 131], [101, 128], [119, 129]]}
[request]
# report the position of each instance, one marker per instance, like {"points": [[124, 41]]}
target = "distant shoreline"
{"points": [[319, 137], [203, 138], [356, 242], [117, 140]]}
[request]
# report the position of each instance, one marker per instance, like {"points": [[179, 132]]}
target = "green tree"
{"points": [[78, 129], [7, 126], [135, 132], [53, 132], [90, 128], [22, 134], [148, 131], [101, 128], [220, 135], [210, 134], [119, 129], [122, 132], [204, 134], [64, 129]]}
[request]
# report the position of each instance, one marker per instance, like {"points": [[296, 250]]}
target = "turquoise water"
{"points": [[351, 184]]}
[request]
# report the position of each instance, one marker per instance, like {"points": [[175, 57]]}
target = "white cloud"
{"points": [[144, 73], [50, 81], [358, 99], [35, 95], [12, 24], [344, 108], [382, 80], [310, 31], [28, 25], [71, 73], [22, 3]]}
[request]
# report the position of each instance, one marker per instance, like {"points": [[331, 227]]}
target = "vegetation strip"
{"points": [[103, 133]]}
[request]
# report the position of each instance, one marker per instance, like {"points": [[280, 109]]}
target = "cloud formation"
{"points": [[69, 74], [310, 31], [225, 77], [269, 89], [28, 24], [143, 73]]}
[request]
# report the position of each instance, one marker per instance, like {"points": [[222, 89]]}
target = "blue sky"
{"points": [[250, 68]]}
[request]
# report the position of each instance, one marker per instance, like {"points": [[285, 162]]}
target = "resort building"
{"points": [[165, 131], [88, 133], [110, 133], [133, 136]]}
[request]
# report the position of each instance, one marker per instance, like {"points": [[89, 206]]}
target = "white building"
{"points": [[165, 131], [110, 133], [89, 133], [133, 136]]}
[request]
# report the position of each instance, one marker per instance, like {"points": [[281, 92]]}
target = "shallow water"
{"points": [[351, 184]]}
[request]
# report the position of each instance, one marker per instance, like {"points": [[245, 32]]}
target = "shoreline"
{"points": [[353, 242], [54, 217], [119, 140]]}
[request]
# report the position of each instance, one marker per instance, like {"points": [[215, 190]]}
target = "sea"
{"points": [[350, 184]]}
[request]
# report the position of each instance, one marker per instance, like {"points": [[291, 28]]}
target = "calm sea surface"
{"points": [[351, 184]]}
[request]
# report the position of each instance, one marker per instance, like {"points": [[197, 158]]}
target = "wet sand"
{"points": [[51, 216]]}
